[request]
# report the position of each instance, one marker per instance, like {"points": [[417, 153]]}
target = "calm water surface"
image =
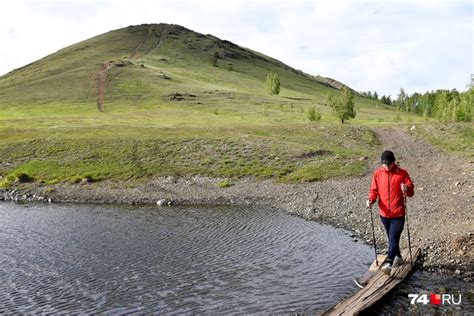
{"points": [[173, 260]]}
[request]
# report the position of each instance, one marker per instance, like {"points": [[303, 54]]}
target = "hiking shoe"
{"points": [[398, 261], [387, 268]]}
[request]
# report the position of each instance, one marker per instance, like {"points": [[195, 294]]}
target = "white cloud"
{"points": [[370, 45]]}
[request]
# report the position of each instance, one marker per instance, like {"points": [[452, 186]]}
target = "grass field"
{"points": [[168, 112], [455, 138]]}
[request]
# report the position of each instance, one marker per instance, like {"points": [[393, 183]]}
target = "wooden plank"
{"points": [[374, 267], [381, 260], [379, 285]]}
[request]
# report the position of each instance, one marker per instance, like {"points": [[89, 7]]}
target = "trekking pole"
{"points": [[408, 228], [373, 235]]}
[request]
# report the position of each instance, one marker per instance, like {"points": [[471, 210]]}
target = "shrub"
{"points": [[313, 114], [224, 184], [20, 177]]}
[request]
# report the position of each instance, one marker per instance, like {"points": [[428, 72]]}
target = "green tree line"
{"points": [[443, 105]]}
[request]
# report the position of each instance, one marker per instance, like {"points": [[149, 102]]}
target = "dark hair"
{"points": [[387, 157]]}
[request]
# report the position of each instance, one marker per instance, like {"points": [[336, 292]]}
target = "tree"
{"points": [[466, 107], [401, 101], [442, 99], [413, 103], [273, 83], [343, 105]]}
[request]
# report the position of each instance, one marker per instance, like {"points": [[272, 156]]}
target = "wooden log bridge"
{"points": [[378, 285]]}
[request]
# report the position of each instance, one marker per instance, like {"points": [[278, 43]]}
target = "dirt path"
{"points": [[441, 212], [101, 81], [160, 40], [100, 77], [142, 43]]}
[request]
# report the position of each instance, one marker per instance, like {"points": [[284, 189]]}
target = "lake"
{"points": [[173, 260]]}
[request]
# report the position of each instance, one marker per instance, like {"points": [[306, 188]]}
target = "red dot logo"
{"points": [[435, 299]]}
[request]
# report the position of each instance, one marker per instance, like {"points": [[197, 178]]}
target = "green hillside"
{"points": [[145, 101]]}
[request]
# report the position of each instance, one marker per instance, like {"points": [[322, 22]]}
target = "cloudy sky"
{"points": [[380, 46]]}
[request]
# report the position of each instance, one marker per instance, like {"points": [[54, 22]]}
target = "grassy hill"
{"points": [[144, 101]]}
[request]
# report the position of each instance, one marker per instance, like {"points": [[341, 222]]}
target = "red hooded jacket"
{"points": [[386, 186]]}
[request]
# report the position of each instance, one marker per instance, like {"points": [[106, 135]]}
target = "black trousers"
{"points": [[394, 228]]}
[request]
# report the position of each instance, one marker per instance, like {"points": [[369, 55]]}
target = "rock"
{"points": [[86, 180], [161, 202], [122, 63]]}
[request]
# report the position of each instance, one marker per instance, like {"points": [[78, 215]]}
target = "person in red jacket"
{"points": [[390, 184]]}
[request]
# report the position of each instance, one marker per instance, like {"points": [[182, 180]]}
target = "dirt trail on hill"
{"points": [[101, 82], [160, 40], [100, 77], [142, 43]]}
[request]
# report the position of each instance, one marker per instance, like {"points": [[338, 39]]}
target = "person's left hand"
{"points": [[404, 188]]}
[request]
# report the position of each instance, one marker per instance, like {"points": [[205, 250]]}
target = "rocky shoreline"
{"points": [[339, 203], [440, 213]]}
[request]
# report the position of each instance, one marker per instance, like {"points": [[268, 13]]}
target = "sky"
{"points": [[417, 45]]}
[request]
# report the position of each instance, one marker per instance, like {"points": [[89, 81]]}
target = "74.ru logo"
{"points": [[435, 299]]}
